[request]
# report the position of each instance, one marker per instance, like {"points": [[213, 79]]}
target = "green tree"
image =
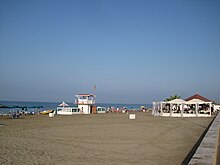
{"points": [[172, 98]]}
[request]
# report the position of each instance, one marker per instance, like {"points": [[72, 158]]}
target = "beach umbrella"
{"points": [[63, 104]]}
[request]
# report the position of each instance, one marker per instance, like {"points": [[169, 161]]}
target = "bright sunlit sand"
{"points": [[98, 139]]}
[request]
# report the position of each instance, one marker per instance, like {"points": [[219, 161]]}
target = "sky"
{"points": [[134, 51]]}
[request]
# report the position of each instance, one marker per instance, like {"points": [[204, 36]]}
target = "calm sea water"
{"points": [[53, 105]]}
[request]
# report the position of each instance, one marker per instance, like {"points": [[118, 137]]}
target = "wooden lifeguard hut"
{"points": [[86, 103]]}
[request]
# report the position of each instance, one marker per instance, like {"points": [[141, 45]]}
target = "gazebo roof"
{"points": [[197, 96], [194, 101], [177, 101], [86, 95]]}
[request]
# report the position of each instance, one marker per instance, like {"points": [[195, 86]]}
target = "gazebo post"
{"points": [[182, 107], [158, 109], [171, 109], [161, 108], [196, 109], [154, 107]]}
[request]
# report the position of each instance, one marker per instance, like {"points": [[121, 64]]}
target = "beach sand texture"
{"points": [[98, 139]]}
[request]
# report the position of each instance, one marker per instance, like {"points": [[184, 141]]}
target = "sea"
{"points": [[41, 106]]}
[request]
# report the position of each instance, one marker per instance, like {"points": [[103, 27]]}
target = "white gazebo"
{"points": [[176, 107], [198, 108], [194, 106]]}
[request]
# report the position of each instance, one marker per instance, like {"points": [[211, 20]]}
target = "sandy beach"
{"points": [[98, 139]]}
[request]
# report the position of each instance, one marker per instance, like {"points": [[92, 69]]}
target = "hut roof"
{"points": [[197, 96]]}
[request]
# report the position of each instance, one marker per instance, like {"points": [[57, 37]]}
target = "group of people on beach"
{"points": [[125, 109], [17, 114]]}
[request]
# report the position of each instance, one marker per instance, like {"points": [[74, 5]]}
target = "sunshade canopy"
{"points": [[63, 104]]}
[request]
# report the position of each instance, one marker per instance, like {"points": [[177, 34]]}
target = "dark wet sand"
{"points": [[98, 139]]}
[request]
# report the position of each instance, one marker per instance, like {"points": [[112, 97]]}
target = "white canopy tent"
{"points": [[195, 106], [199, 106]]}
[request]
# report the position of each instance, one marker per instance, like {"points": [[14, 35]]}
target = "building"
{"points": [[194, 106], [86, 103]]}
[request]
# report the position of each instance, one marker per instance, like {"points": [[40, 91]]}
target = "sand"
{"points": [[98, 139]]}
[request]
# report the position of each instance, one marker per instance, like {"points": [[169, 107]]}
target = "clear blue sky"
{"points": [[135, 51]]}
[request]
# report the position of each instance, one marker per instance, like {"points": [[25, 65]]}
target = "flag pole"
{"points": [[94, 88]]}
